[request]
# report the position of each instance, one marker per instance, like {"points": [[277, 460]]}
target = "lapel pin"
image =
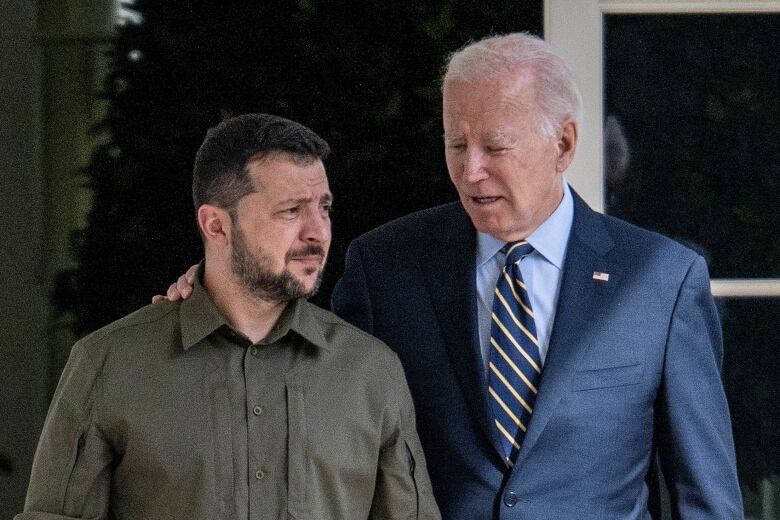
{"points": [[602, 277]]}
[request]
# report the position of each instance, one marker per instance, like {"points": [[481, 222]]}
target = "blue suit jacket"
{"points": [[633, 372]]}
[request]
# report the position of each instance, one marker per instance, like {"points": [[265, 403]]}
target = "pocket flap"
{"points": [[607, 377]]}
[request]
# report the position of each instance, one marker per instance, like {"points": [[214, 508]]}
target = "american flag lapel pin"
{"points": [[601, 277]]}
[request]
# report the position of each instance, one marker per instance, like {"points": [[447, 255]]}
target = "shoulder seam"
{"points": [[342, 323], [109, 331]]}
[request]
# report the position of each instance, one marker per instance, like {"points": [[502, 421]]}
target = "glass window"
{"points": [[692, 133], [751, 373]]}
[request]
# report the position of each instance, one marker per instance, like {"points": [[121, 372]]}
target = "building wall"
{"points": [[52, 64], [23, 303]]}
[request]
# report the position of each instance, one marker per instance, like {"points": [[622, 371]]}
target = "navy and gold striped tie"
{"points": [[515, 364]]}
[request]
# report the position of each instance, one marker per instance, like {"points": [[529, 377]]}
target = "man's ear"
{"points": [[567, 143], [214, 223]]}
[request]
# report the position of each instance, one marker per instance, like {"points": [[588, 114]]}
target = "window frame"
{"points": [[575, 30]]}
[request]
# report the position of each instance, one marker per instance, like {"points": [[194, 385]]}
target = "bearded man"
{"points": [[244, 401]]}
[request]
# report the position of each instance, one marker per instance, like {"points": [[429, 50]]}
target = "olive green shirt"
{"points": [[168, 413]]}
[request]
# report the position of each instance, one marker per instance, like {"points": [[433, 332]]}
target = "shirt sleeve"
{"points": [[403, 488], [695, 440], [71, 471]]}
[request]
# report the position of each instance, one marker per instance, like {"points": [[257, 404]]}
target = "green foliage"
{"points": [[364, 75]]}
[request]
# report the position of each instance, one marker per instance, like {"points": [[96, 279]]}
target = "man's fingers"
{"points": [[190, 274], [181, 289], [183, 286], [173, 293]]}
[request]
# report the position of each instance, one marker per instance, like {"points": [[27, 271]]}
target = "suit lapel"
{"points": [[580, 303], [447, 262]]}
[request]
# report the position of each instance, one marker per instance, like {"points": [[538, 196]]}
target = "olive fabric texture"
{"points": [[169, 413]]}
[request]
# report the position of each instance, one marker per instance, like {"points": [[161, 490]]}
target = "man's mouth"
{"points": [[309, 259], [312, 256], [484, 200]]}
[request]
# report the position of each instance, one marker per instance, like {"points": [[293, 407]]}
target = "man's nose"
{"points": [[474, 166], [316, 228]]}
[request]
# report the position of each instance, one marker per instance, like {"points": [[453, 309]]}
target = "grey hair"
{"points": [[557, 97]]}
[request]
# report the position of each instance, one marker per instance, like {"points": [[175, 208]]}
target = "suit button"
{"points": [[510, 499]]}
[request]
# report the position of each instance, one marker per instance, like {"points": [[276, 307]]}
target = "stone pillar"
{"points": [[51, 65], [74, 35], [23, 304]]}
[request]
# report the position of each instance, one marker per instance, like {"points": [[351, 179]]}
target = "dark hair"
{"points": [[220, 174]]}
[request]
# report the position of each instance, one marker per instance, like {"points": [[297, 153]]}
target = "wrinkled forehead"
{"points": [[510, 87], [509, 82], [490, 107]]}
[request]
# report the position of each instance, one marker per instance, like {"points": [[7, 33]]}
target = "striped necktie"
{"points": [[515, 365]]}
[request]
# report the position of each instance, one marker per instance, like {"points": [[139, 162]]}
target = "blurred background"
{"points": [[105, 103]]}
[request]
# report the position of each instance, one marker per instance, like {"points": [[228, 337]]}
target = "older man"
{"points": [[552, 352], [245, 401]]}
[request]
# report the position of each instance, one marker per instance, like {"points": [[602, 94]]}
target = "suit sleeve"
{"points": [[71, 470], [695, 437], [350, 299], [403, 488]]}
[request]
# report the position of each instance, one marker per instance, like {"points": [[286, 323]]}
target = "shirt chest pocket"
{"points": [[607, 377]]}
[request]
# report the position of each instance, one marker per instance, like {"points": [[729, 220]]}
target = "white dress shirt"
{"points": [[541, 272]]}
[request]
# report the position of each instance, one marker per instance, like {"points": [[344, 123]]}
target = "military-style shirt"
{"points": [[168, 413]]}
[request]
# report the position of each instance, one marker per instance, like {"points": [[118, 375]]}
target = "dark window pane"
{"points": [[693, 133], [752, 378]]}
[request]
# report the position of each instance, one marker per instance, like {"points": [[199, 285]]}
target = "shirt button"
{"points": [[510, 499], [257, 410], [253, 351], [259, 474]]}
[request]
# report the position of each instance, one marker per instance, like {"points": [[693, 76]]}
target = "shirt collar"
{"points": [[549, 239], [200, 317], [298, 316]]}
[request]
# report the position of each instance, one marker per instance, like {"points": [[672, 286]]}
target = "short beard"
{"points": [[255, 275]]}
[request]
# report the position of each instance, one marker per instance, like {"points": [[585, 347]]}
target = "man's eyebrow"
{"points": [[327, 197], [298, 200], [500, 137]]}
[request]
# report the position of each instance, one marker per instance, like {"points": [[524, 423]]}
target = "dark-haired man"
{"points": [[244, 401]]}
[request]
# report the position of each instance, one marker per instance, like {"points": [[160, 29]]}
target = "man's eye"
{"points": [[457, 146], [497, 149], [326, 209], [291, 211]]}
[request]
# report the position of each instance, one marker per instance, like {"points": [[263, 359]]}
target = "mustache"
{"points": [[309, 250]]}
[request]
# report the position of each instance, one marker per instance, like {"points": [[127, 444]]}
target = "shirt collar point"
{"points": [[551, 238], [302, 321], [199, 316]]}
